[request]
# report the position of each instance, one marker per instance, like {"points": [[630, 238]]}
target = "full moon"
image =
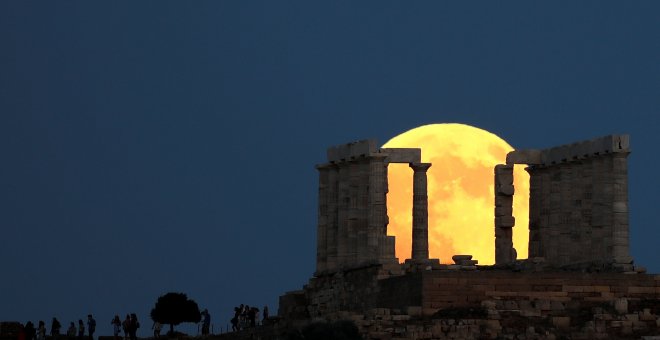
{"points": [[460, 192]]}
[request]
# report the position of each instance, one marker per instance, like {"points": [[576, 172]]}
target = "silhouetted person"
{"points": [[265, 313], [21, 332], [91, 326], [41, 330], [71, 331], [245, 317], [235, 319], [81, 329], [116, 326], [157, 326], [252, 316], [126, 325], [55, 327], [206, 322], [30, 331], [134, 325]]}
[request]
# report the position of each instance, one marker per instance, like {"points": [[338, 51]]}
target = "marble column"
{"points": [[619, 184], [504, 220], [420, 223], [322, 227], [377, 200]]}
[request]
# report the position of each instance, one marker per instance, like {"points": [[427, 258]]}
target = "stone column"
{"points": [[504, 221], [377, 200], [343, 197], [620, 239], [322, 228], [420, 227], [332, 225], [534, 247]]}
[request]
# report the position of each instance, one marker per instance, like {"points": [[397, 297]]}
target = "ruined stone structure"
{"points": [[578, 207], [504, 220], [579, 281], [352, 224]]}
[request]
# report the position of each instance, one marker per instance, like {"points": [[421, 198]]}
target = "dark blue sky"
{"points": [[170, 146]]}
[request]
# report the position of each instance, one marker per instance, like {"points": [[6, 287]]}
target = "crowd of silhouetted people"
{"points": [[81, 330], [30, 332], [246, 316]]}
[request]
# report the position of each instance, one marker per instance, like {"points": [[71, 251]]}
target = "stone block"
{"points": [[505, 221], [503, 201], [400, 317], [505, 190], [624, 260], [504, 210], [492, 325], [458, 258], [646, 315], [561, 322], [528, 156], [344, 152], [620, 207], [467, 262], [621, 305], [402, 155], [640, 269], [632, 317], [556, 155], [414, 311]]}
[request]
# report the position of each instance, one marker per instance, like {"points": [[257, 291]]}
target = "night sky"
{"points": [[150, 147]]}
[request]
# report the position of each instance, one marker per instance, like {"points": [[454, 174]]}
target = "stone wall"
{"points": [[578, 206], [485, 303], [445, 289]]}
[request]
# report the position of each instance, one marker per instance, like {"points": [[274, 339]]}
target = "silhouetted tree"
{"points": [[175, 308]]}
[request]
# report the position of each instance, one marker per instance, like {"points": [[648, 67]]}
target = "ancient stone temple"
{"points": [[352, 224], [578, 207], [578, 282]]}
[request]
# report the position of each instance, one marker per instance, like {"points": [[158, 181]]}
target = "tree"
{"points": [[175, 308]]}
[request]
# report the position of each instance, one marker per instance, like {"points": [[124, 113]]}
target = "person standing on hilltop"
{"points": [[157, 326], [235, 319], [126, 325], [71, 331], [21, 332], [133, 327], [91, 326], [116, 326], [206, 322], [81, 329], [41, 330], [55, 327], [30, 332]]}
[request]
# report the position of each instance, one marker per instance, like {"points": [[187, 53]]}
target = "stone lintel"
{"points": [[348, 151], [403, 155], [528, 156], [324, 166], [571, 152]]}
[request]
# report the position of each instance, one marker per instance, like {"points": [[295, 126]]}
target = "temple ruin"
{"points": [[578, 282], [352, 223], [578, 206]]}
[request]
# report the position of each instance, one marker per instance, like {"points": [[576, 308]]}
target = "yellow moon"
{"points": [[460, 192]]}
